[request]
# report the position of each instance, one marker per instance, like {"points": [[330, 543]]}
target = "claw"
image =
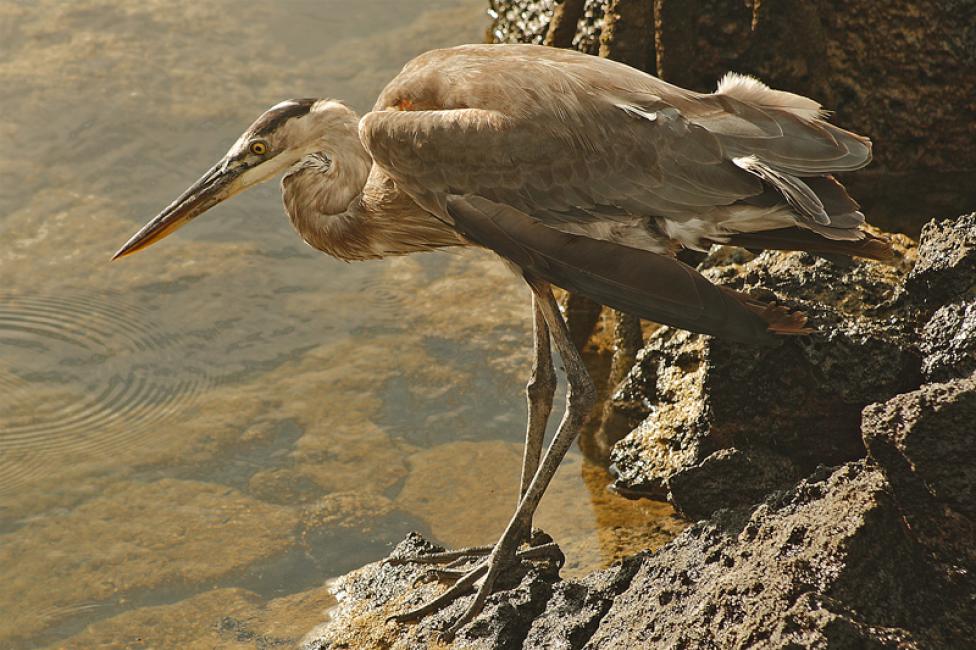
{"points": [[459, 588]]}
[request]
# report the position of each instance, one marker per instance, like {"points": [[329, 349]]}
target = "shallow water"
{"points": [[194, 439]]}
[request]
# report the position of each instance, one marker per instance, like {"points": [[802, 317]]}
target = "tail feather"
{"points": [[798, 194], [800, 239], [832, 194], [778, 318]]}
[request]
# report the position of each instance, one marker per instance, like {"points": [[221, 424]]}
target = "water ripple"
{"points": [[84, 373]]}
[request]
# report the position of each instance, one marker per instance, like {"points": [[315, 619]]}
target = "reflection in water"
{"points": [[194, 439]]}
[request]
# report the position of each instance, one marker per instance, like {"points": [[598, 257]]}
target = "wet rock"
{"points": [[527, 21], [797, 404], [943, 284]]}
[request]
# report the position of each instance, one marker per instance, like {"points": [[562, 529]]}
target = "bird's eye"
{"points": [[258, 148]]}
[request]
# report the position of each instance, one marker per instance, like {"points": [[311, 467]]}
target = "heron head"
{"points": [[276, 141]]}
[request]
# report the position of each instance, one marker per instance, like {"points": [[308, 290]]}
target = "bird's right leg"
{"points": [[580, 396], [539, 393]]}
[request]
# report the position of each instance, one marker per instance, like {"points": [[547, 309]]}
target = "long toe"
{"points": [[495, 566], [549, 551], [462, 586], [443, 557]]}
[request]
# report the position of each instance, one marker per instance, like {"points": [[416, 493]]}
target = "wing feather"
{"points": [[586, 144], [649, 285]]}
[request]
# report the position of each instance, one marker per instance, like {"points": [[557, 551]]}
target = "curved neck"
{"points": [[325, 184], [341, 205], [327, 179]]}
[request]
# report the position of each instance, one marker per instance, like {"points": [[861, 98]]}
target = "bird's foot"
{"points": [[476, 568], [539, 546]]}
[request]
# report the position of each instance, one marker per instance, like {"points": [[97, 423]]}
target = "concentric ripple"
{"points": [[384, 300], [83, 373]]}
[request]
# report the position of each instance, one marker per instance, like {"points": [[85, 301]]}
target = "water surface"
{"points": [[194, 439]]}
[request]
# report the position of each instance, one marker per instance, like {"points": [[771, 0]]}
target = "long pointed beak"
{"points": [[212, 188]]}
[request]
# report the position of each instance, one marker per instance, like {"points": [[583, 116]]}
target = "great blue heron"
{"points": [[580, 172]]}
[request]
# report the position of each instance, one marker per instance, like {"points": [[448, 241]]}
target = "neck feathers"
{"points": [[344, 206]]}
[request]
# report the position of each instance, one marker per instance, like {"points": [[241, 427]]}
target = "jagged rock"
{"points": [[946, 268], [798, 402], [729, 478], [828, 563], [943, 281], [919, 439], [368, 596], [576, 608], [949, 342]]}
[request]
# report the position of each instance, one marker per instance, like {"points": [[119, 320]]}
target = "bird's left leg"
{"points": [[580, 396], [539, 394]]}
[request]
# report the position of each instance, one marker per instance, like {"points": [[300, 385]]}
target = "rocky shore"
{"points": [[832, 479]]}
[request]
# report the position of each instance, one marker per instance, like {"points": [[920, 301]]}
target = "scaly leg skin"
{"points": [[539, 393], [580, 396]]}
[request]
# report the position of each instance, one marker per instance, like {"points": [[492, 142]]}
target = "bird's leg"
{"points": [[539, 393], [580, 396]]}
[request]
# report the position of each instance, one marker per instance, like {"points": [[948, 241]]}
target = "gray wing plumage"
{"points": [[582, 171], [581, 142]]}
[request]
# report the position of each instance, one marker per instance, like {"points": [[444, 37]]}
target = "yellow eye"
{"points": [[258, 148]]}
